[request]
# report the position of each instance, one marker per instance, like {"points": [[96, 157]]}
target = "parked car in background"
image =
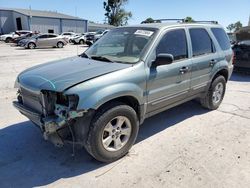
{"points": [[99, 99], [9, 37], [25, 36], [79, 39], [90, 37], [68, 35], [99, 34], [242, 56], [43, 40]]}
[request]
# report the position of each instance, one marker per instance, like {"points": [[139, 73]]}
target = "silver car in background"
{"points": [[43, 40]]}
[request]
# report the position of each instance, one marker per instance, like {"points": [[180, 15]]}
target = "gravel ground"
{"points": [[186, 146]]}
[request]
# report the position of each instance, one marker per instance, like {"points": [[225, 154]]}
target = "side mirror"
{"points": [[163, 59]]}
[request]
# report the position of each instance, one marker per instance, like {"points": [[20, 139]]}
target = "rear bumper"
{"points": [[230, 70]]}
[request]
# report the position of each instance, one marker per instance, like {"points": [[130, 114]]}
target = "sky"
{"points": [[224, 11]]}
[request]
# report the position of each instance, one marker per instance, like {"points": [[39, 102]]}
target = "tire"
{"points": [[81, 41], [105, 127], [31, 45], [215, 94], [7, 40], [60, 45]]}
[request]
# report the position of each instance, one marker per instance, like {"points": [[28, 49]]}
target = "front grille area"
{"points": [[31, 100]]}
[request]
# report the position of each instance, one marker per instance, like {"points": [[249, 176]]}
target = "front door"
{"points": [[170, 83], [42, 40]]}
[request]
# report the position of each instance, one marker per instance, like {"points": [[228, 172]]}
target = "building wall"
{"points": [[6, 21], [97, 27], [24, 21], [77, 26], [42, 25]]}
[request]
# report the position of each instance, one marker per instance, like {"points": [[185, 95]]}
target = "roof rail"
{"points": [[213, 22], [178, 20], [185, 21]]}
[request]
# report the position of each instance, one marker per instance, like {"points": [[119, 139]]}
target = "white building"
{"points": [[40, 21]]}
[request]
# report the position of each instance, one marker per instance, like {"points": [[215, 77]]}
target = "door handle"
{"points": [[212, 62], [184, 70]]}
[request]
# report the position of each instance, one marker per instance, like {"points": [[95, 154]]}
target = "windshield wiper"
{"points": [[101, 58], [85, 55]]}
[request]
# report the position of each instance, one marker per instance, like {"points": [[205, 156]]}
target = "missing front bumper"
{"points": [[50, 126]]}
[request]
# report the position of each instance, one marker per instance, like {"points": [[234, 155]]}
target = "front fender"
{"points": [[99, 97]]}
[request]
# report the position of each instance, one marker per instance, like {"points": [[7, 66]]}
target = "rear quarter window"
{"points": [[222, 38]]}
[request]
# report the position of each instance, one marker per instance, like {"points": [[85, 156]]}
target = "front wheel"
{"points": [[81, 42], [113, 132], [31, 45], [215, 94], [60, 45]]}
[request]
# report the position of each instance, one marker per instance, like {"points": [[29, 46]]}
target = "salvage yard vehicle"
{"points": [[79, 39], [9, 37], [43, 40], [99, 98], [25, 36], [242, 56]]}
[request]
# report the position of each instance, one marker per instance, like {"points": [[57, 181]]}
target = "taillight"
{"points": [[233, 58]]}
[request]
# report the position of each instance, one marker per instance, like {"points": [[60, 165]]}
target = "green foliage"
{"points": [[115, 13], [233, 27], [150, 20], [189, 19]]}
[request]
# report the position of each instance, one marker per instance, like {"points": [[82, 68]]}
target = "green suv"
{"points": [[99, 99]]}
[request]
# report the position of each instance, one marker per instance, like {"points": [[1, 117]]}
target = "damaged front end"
{"points": [[54, 112]]}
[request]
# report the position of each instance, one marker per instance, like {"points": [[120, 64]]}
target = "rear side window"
{"points": [[222, 38], [201, 42], [175, 43]]}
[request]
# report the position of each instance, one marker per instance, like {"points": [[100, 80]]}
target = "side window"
{"points": [[51, 36], [201, 42], [175, 43], [43, 37], [222, 38]]}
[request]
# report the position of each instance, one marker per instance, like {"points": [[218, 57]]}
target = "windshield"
{"points": [[124, 45]]}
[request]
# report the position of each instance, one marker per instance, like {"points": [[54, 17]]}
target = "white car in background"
{"points": [[69, 35], [9, 37], [79, 39]]}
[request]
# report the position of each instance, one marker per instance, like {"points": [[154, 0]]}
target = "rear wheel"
{"points": [[215, 94], [60, 45], [31, 45], [113, 132]]}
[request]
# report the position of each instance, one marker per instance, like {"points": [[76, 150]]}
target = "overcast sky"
{"points": [[224, 11]]}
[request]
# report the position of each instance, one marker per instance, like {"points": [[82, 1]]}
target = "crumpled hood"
{"points": [[60, 75]]}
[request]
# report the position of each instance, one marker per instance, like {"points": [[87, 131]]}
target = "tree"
{"points": [[189, 19], [115, 13], [150, 20], [230, 27], [233, 27], [238, 25]]}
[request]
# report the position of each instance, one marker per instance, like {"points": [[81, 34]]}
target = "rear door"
{"points": [[52, 40], [170, 83], [204, 58]]}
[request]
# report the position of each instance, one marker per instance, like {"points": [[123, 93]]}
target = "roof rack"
{"points": [[185, 21]]}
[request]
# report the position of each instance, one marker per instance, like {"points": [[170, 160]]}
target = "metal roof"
{"points": [[41, 13]]}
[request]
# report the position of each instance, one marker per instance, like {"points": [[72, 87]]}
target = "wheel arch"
{"points": [[222, 72]]}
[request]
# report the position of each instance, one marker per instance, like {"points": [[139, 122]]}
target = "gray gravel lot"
{"points": [[186, 146]]}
